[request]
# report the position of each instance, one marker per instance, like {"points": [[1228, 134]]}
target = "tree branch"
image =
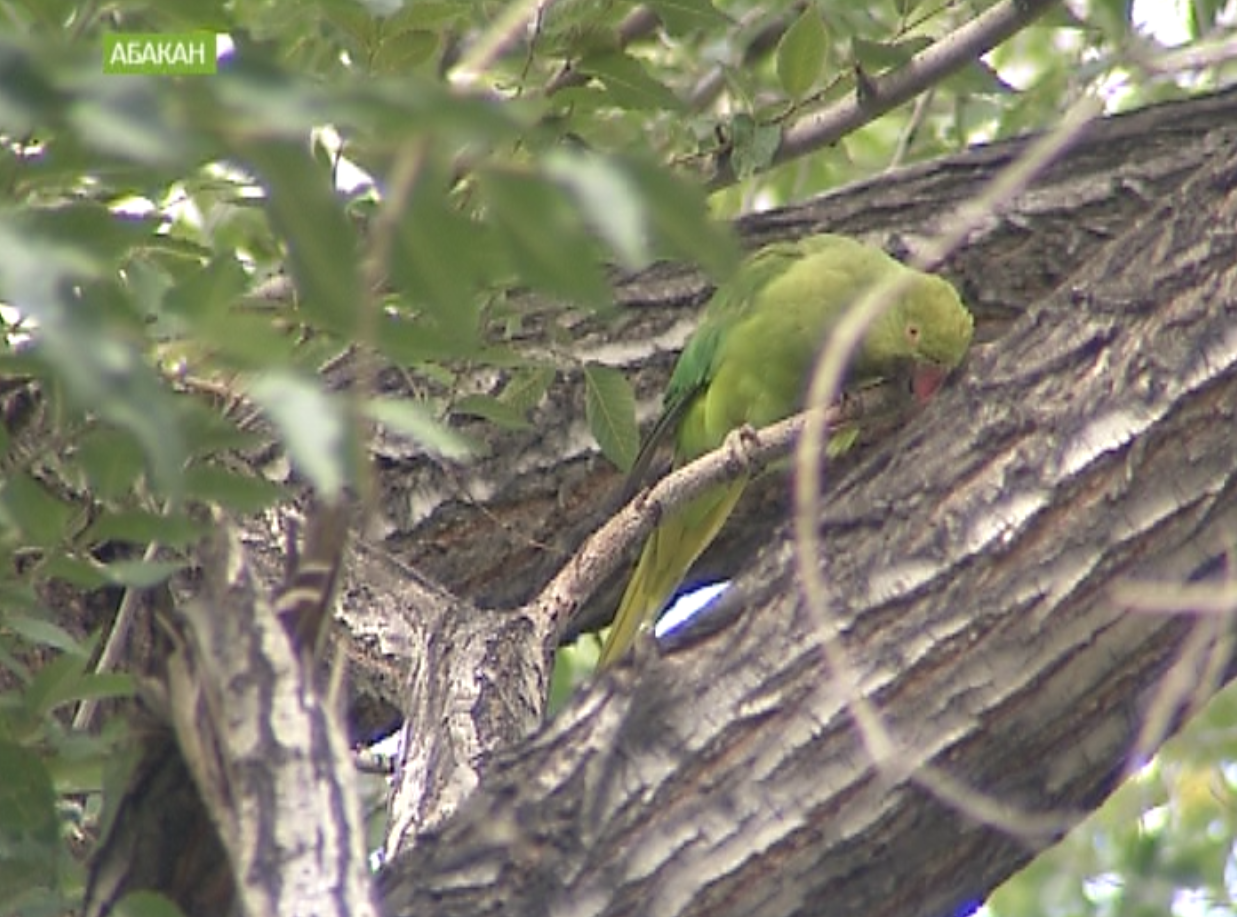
{"points": [[883, 93], [972, 561]]}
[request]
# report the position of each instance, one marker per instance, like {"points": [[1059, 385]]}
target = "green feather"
{"points": [[749, 363]]}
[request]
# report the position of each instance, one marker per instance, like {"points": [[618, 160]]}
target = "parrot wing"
{"points": [[697, 363]]}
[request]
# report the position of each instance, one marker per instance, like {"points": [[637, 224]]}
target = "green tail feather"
{"points": [[667, 557]]}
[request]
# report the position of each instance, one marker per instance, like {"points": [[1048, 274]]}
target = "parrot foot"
{"points": [[740, 444]]}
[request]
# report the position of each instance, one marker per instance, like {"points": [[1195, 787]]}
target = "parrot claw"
{"points": [[740, 444]]}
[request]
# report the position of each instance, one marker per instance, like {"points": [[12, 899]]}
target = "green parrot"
{"points": [[749, 363]]}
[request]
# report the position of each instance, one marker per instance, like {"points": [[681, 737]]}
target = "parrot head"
{"points": [[928, 329]]}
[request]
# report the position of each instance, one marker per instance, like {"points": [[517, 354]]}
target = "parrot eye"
{"points": [[912, 333]]}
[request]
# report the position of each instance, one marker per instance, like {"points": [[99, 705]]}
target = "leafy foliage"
{"points": [[360, 153]]}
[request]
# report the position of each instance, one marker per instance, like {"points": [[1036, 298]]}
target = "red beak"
{"points": [[926, 379]]}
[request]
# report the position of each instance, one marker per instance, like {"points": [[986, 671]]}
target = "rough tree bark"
{"points": [[971, 560], [971, 557]]}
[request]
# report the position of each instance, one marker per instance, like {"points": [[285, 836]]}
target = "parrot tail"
{"points": [[667, 557]]}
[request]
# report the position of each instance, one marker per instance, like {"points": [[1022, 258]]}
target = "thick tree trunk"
{"points": [[972, 562], [494, 532]]}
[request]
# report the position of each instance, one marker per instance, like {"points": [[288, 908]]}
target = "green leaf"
{"points": [[76, 571], [404, 50], [544, 236], [43, 632], [412, 420], [441, 260], [139, 574], [683, 16], [628, 82], [112, 462], [801, 53], [54, 682], [49, 281], [28, 822], [28, 507], [208, 290], [141, 528], [752, 145], [610, 407], [877, 56], [146, 904], [610, 202], [977, 78], [527, 387], [128, 118], [321, 242], [236, 491], [490, 408], [678, 214], [312, 425]]}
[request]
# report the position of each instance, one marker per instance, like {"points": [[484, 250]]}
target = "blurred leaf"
{"points": [[56, 681], [543, 233], [241, 493], [678, 213], [27, 94], [141, 528], [129, 118], [321, 242], [801, 53], [628, 82], [29, 826], [610, 406], [111, 460], [441, 260], [404, 50], [43, 632], [411, 420], [208, 290], [76, 571], [683, 16], [139, 574], [311, 424], [977, 78], [44, 277], [146, 904], [28, 507], [609, 200], [490, 408], [877, 56]]}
